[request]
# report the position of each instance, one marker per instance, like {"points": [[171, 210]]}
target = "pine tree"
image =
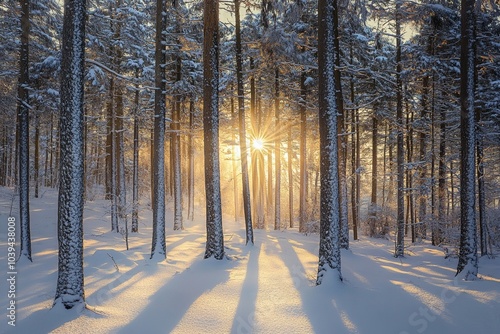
{"points": [[23, 136], [242, 127], [329, 247], [158, 242], [70, 292], [467, 259], [215, 237]]}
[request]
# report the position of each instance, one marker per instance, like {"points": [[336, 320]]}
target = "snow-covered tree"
{"points": [[215, 236], [23, 130], [467, 260], [70, 291], [329, 247], [158, 245]]}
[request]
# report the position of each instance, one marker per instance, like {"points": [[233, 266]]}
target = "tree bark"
{"points": [[135, 172], [23, 133], [247, 208], [399, 247], [277, 153], [215, 237], [329, 247], [303, 158], [158, 240], [70, 287]]}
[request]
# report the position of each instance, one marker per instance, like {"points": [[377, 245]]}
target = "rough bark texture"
{"points": [[399, 247], [158, 242], [135, 171], [329, 247], [467, 258], [23, 133], [215, 237], [342, 139], [69, 291]]}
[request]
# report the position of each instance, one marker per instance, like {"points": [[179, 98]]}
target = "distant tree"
{"points": [[329, 247], [467, 258], [215, 237], [70, 290]]}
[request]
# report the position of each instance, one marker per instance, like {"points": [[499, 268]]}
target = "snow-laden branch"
{"points": [[118, 75]]}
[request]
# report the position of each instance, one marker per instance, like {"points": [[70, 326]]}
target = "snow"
{"points": [[265, 288]]}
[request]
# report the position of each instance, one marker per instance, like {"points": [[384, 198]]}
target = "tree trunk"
{"points": [[277, 153], [342, 140], [481, 189], [303, 158], [135, 172], [23, 133], [158, 240], [354, 156], [373, 202], [329, 247], [215, 237], [36, 178], [109, 141], [70, 288], [290, 175], [191, 161], [247, 208], [441, 179], [175, 137], [399, 247], [467, 260]]}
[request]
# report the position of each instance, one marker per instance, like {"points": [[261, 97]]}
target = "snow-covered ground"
{"points": [[265, 288]]}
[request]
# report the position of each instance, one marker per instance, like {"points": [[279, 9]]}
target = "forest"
{"points": [[141, 139]]}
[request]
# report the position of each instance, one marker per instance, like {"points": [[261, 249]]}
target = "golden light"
{"points": [[258, 144]]}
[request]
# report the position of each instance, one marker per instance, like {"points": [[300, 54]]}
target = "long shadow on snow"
{"points": [[169, 304], [244, 316], [318, 307]]}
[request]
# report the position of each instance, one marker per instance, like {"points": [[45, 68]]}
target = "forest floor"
{"points": [[265, 288]]}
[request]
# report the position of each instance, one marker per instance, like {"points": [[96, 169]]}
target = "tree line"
{"points": [[321, 103]]}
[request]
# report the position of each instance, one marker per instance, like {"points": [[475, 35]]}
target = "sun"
{"points": [[258, 144]]}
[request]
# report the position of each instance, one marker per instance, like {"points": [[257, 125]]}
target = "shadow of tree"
{"points": [[243, 321], [169, 304]]}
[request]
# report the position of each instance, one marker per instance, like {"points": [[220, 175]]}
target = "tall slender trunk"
{"points": [[354, 155], [135, 172], [303, 158], [215, 238], [290, 175], [467, 259], [191, 161], [342, 140], [423, 157], [483, 236], [399, 247], [158, 239], [175, 135], [329, 247], [277, 153], [23, 133], [247, 209], [373, 201], [234, 127], [109, 140], [441, 178]]}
